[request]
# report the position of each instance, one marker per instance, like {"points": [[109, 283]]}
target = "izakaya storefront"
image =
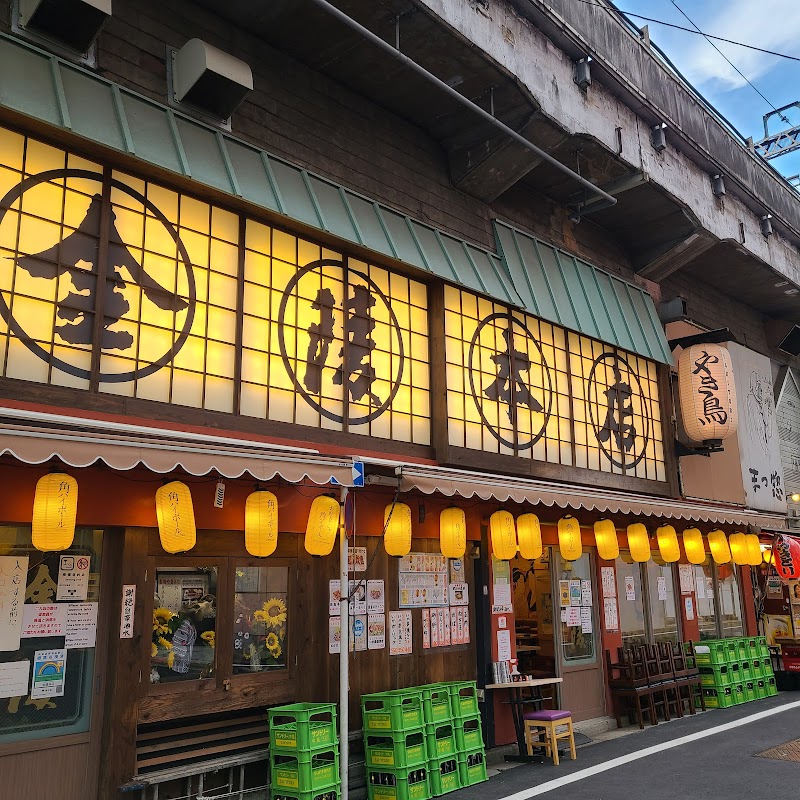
{"points": [[155, 335]]}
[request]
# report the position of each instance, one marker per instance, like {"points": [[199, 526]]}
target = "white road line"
{"points": [[543, 788]]}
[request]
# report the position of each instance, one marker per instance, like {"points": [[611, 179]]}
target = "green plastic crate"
{"points": [[766, 668], [436, 701], [715, 675], [755, 665], [464, 698], [772, 686], [750, 691], [743, 651], [472, 767], [717, 698], [739, 695], [753, 650], [306, 771], [397, 750], [746, 671], [441, 740], [469, 734], [445, 776], [392, 711], [735, 671], [763, 647], [761, 689], [326, 793], [398, 784], [712, 651], [302, 726]]}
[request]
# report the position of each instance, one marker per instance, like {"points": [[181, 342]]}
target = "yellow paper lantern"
{"points": [[739, 549], [767, 556], [323, 525], [529, 536], [754, 550], [453, 532], [55, 507], [693, 545], [569, 538], [504, 535], [707, 392], [397, 529], [718, 545], [605, 537], [668, 543], [638, 542], [261, 523], [175, 513]]}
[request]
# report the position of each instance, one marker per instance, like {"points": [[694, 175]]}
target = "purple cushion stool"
{"points": [[547, 723]]}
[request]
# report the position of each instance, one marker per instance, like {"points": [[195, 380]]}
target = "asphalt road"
{"points": [[722, 766]]}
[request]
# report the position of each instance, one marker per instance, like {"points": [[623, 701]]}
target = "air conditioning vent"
{"points": [[72, 23]]}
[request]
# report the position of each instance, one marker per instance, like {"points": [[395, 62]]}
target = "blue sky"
{"points": [[771, 24]]}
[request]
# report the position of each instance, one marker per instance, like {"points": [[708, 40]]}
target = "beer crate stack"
{"points": [[735, 670], [422, 742], [304, 752]]}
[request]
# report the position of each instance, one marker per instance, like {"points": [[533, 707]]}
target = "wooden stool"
{"points": [[548, 722]]}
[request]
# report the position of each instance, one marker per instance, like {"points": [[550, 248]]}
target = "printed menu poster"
{"points": [[434, 629], [376, 639], [73, 578], [334, 635], [426, 628], [700, 587], [457, 570], [42, 619], [400, 633], [49, 672], [662, 587], [630, 587], [686, 579], [460, 624], [504, 645], [13, 574], [334, 598], [610, 613], [356, 559], [586, 593], [465, 613], [459, 594], [445, 612], [563, 591], [575, 592], [358, 598], [375, 597], [15, 678], [586, 619], [420, 589], [501, 587], [358, 633], [609, 581], [81, 625]]}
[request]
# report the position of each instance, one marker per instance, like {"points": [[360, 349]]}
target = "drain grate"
{"points": [[788, 751]]}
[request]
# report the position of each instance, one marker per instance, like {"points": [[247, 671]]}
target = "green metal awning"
{"points": [[526, 273], [558, 287]]}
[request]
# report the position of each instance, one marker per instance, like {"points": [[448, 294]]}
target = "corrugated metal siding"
{"points": [[788, 414]]}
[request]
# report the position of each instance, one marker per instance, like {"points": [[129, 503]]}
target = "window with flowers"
{"points": [[260, 619]]}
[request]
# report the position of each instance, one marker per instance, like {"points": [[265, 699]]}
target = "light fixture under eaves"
{"points": [[718, 185], [658, 137], [583, 74], [73, 23], [766, 225]]}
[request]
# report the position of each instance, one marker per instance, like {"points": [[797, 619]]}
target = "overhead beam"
{"points": [[677, 256]]}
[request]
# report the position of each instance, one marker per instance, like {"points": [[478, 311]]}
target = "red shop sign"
{"points": [[786, 557]]}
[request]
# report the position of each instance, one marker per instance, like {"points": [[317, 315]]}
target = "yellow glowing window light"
{"points": [[55, 508], [261, 523], [739, 549], [754, 550], [718, 545], [605, 537], [504, 535], [693, 545], [529, 536], [453, 532], [323, 525], [175, 513], [569, 538], [397, 527], [639, 542], [668, 545]]}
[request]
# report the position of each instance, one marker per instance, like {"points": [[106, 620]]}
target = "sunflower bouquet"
{"points": [[165, 623], [269, 627]]}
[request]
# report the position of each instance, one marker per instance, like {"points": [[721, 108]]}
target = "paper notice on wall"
{"points": [[377, 631], [710, 588], [689, 608], [358, 632], [575, 593], [40, 619], [465, 614], [661, 581], [13, 574], [563, 592], [454, 626], [358, 598], [686, 579], [376, 597], [457, 570], [459, 594], [586, 619], [609, 581], [504, 645], [73, 578], [334, 598], [80, 629], [630, 588], [127, 610], [434, 628], [574, 616], [700, 587], [400, 633], [426, 628], [49, 672], [610, 614], [563, 614], [501, 587], [15, 677], [356, 559], [448, 639], [334, 635], [586, 593], [460, 624]]}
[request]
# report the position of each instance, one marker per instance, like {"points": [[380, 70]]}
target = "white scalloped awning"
{"points": [[451, 482], [36, 438]]}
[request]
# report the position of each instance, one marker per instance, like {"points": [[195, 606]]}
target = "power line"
{"points": [[691, 30], [752, 85]]}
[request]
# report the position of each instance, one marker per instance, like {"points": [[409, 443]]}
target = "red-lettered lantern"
{"points": [[786, 557], [707, 392]]}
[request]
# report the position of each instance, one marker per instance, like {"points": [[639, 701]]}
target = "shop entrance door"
{"points": [[578, 642]]}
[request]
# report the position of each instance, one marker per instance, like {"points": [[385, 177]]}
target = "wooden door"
{"points": [[579, 647]]}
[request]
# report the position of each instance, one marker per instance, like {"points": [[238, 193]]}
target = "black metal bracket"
{"points": [[706, 337], [706, 449]]}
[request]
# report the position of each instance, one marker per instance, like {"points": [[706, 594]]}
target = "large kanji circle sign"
{"points": [[510, 384], [619, 410], [138, 275], [351, 351]]}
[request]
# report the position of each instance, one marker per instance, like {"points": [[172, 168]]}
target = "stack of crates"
{"points": [[304, 752], [735, 670], [422, 742]]}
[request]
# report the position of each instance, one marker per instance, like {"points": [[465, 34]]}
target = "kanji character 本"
{"points": [[510, 387], [619, 408]]}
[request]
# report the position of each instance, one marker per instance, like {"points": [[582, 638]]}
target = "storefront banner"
{"points": [[126, 614], [13, 574], [81, 625], [459, 594], [377, 631], [73, 578], [400, 633], [49, 673], [334, 635], [15, 678], [376, 597], [611, 614], [426, 629], [609, 581], [686, 578], [42, 619]]}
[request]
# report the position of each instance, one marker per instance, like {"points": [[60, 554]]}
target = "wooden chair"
{"points": [[687, 675], [627, 679], [555, 725], [661, 680]]}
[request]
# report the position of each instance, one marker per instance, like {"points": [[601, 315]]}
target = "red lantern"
{"points": [[786, 557]]}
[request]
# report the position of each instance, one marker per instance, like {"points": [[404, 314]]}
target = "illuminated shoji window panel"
{"points": [[175, 303], [49, 236]]}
